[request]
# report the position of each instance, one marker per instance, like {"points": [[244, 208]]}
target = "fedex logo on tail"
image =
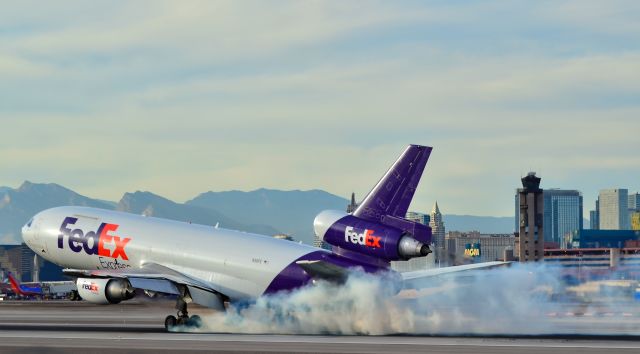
{"points": [[366, 238], [100, 242]]}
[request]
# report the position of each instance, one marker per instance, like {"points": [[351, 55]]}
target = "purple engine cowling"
{"points": [[370, 238]]}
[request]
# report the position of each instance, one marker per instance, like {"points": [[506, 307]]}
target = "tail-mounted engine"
{"points": [[396, 239]]}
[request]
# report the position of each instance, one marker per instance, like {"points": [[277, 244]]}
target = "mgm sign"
{"points": [[472, 250]]}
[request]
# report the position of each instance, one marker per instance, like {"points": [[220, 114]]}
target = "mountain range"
{"points": [[18, 205], [291, 212], [263, 211]]}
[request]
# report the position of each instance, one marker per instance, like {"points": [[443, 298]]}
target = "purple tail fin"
{"points": [[393, 193]]}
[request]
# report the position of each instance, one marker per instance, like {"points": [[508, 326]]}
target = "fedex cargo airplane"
{"points": [[113, 253]]}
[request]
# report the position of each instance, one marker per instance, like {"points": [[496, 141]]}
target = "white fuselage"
{"points": [[241, 265]]}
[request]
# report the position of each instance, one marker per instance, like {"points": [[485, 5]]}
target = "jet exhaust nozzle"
{"points": [[409, 247]]}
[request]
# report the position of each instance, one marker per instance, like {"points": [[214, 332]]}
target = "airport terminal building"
{"points": [[592, 263]]}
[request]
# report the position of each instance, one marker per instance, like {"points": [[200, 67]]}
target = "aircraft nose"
{"points": [[28, 232]]}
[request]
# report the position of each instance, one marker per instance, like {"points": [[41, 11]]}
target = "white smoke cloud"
{"points": [[504, 301]]}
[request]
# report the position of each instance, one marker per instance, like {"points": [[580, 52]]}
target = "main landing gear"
{"points": [[183, 318]]}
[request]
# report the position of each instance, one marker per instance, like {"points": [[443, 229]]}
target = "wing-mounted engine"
{"points": [[104, 290], [388, 242]]}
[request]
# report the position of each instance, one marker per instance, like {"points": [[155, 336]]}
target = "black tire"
{"points": [[74, 296], [170, 322], [195, 321]]}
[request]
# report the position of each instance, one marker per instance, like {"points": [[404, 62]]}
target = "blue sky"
{"points": [[184, 97]]}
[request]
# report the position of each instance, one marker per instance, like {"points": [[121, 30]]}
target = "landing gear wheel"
{"points": [[195, 321], [73, 296], [182, 318], [170, 322]]}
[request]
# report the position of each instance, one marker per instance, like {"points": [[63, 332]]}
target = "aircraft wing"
{"points": [[159, 278], [423, 278]]}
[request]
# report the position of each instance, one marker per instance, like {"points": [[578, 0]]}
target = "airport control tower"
{"points": [[530, 240]]}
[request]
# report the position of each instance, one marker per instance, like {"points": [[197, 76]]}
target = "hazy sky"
{"points": [[181, 97]]}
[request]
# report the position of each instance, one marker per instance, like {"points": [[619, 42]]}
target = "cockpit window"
{"points": [[29, 223]]}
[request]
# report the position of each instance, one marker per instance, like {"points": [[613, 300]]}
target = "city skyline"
{"points": [[178, 99], [413, 213], [587, 210]]}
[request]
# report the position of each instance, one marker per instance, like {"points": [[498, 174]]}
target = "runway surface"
{"points": [[82, 327]]}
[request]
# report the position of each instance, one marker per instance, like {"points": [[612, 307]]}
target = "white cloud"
{"points": [[183, 98], [222, 29], [618, 17]]}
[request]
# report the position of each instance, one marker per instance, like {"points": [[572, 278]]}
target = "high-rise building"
{"points": [[437, 232], [17, 259], [614, 209], [594, 217], [562, 213], [517, 213], [530, 240], [593, 220], [353, 205], [634, 201], [634, 211], [418, 217]]}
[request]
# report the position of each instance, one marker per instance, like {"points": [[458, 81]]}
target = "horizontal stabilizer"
{"points": [[424, 278], [325, 271]]}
